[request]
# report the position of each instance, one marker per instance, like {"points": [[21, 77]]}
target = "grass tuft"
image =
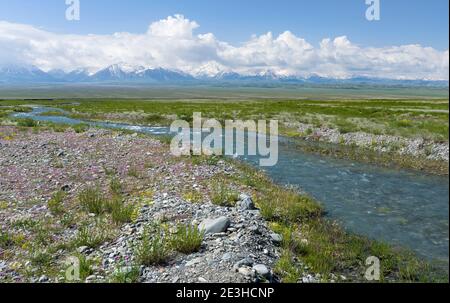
{"points": [[188, 239], [287, 205], [55, 204], [92, 200], [91, 237], [121, 213], [154, 248], [222, 195]]}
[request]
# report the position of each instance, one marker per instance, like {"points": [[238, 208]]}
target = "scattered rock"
{"points": [[65, 188], [227, 257], [309, 279], [91, 278], [194, 262], [243, 262], [246, 271], [82, 249], [43, 279], [245, 203], [276, 238]]}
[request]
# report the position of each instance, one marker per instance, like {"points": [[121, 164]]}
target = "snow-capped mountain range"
{"points": [[124, 73]]}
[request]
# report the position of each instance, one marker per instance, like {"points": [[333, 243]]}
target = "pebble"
{"points": [[82, 249], [43, 279], [194, 262], [245, 203], [227, 257], [276, 238], [246, 271]]}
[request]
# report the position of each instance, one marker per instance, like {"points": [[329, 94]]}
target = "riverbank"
{"points": [[123, 206]]}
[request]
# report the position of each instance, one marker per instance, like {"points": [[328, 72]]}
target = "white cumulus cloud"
{"points": [[172, 43]]}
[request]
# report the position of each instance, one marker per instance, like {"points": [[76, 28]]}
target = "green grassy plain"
{"points": [[411, 118]]}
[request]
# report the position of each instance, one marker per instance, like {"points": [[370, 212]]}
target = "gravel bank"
{"points": [[379, 143], [238, 246]]}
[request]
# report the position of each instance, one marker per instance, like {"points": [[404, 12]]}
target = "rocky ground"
{"points": [[238, 246], [379, 143], [38, 238]]}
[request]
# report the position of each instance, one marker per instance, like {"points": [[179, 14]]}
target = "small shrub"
{"points": [[110, 171], [25, 223], [212, 160], [58, 128], [126, 273], [4, 205], [268, 209], [6, 240], [68, 220], [26, 122], [405, 123], [155, 119], [309, 132], [55, 204], [187, 239], [165, 139], [153, 248], [40, 258], [43, 235], [80, 128], [92, 200], [86, 266], [345, 126]]}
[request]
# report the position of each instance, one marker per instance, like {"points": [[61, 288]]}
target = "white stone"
{"points": [[214, 226], [262, 270]]}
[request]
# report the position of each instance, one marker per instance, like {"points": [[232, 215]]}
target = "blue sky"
{"points": [[329, 38], [402, 21]]}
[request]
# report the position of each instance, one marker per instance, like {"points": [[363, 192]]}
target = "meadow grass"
{"points": [[427, 117]]}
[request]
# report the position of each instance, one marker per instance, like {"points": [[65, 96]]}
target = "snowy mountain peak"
{"points": [[210, 72], [125, 68]]}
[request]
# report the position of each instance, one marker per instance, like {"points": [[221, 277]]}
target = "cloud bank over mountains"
{"points": [[173, 44]]}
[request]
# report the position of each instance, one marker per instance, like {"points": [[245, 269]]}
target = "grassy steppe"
{"points": [[425, 118], [408, 118]]}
